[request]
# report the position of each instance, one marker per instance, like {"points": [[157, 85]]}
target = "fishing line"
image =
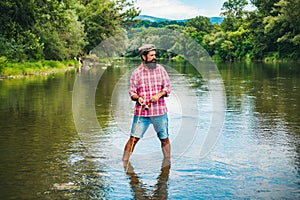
{"points": [[130, 152]]}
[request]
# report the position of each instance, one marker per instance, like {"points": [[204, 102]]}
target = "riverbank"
{"points": [[10, 70]]}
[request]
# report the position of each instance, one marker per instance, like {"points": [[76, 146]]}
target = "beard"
{"points": [[151, 64]]}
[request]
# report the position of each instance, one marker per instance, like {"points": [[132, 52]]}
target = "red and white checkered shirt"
{"points": [[147, 83]]}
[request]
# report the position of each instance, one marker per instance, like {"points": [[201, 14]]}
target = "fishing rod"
{"points": [[130, 152]]}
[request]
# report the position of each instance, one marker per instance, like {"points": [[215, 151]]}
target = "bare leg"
{"points": [[129, 147], [166, 148]]}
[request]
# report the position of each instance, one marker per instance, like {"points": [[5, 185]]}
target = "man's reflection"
{"points": [[160, 189]]}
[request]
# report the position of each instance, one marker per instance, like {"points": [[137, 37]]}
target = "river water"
{"points": [[46, 155]]}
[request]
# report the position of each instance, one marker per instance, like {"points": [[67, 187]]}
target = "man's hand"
{"points": [[156, 97], [141, 100]]}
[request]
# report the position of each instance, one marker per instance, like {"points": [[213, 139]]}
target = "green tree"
{"points": [[213, 42], [60, 30], [242, 43], [233, 11], [264, 7], [262, 43], [16, 16], [275, 29], [284, 28], [197, 27], [105, 18], [200, 23], [37, 29], [18, 41]]}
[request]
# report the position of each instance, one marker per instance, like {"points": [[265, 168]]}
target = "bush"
{"points": [[271, 57], [3, 61], [33, 67]]}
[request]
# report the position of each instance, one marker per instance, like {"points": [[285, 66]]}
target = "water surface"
{"points": [[256, 156]]}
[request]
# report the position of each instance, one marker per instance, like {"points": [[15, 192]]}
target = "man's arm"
{"points": [[156, 97], [137, 98]]}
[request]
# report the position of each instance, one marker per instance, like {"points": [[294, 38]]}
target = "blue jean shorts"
{"points": [[160, 124]]}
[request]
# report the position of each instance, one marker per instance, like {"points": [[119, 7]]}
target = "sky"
{"points": [[181, 9]]}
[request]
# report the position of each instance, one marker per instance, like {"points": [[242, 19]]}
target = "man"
{"points": [[149, 84]]}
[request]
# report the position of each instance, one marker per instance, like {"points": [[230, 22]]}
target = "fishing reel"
{"points": [[146, 106]]}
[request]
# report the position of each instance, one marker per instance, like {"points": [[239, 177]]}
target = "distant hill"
{"points": [[157, 19], [213, 20], [216, 20]]}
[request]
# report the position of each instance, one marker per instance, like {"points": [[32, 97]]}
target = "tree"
{"points": [[200, 23], [233, 11], [264, 7], [234, 8], [242, 44], [197, 27], [284, 28], [18, 41], [275, 30], [105, 18], [213, 42], [60, 30]]}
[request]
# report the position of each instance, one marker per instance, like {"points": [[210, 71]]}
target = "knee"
{"points": [[165, 141], [133, 139]]}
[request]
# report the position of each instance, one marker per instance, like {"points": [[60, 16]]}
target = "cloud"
{"points": [[182, 9], [171, 9]]}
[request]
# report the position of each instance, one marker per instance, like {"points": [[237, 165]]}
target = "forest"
{"points": [[60, 30]]}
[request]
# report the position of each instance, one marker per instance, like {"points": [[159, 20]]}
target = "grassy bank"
{"points": [[32, 68]]}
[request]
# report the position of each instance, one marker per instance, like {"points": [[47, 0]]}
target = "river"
{"points": [[45, 154]]}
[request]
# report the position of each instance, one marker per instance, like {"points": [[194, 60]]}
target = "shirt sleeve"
{"points": [[166, 82], [133, 84]]}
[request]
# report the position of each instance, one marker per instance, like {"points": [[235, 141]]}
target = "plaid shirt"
{"points": [[147, 83]]}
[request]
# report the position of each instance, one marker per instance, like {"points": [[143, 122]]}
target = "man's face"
{"points": [[151, 59], [151, 56]]}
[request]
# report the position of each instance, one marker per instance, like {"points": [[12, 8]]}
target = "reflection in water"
{"points": [[141, 191], [257, 156]]}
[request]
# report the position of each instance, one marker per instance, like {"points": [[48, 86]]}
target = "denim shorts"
{"points": [[160, 124]]}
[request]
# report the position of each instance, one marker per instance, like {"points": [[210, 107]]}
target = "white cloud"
{"points": [[182, 9], [171, 9]]}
